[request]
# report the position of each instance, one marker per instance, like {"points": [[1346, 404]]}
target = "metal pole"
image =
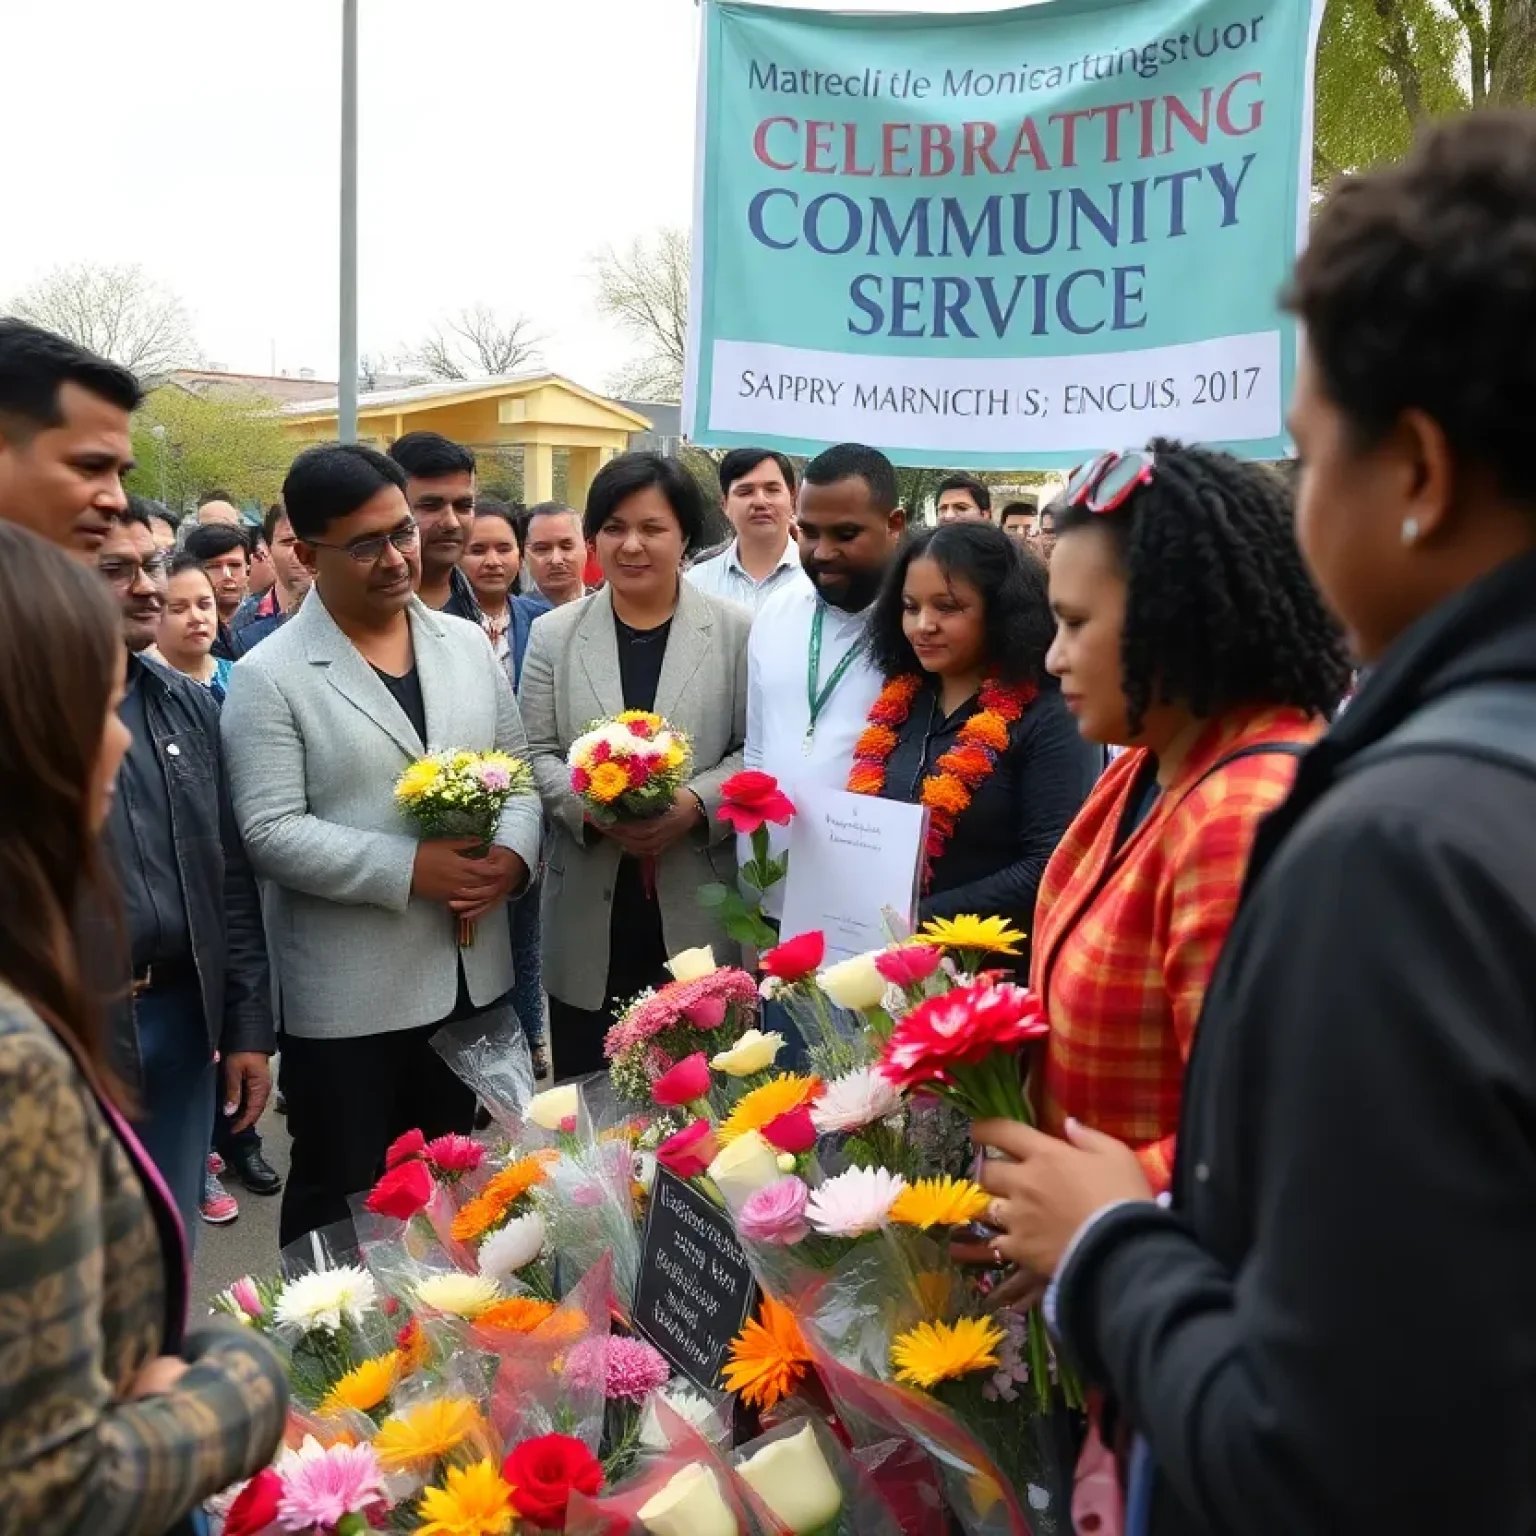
{"points": [[347, 413]]}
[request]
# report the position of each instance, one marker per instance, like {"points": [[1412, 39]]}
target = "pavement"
{"points": [[247, 1245]]}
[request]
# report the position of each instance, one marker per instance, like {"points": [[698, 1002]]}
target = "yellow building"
{"points": [[540, 413]]}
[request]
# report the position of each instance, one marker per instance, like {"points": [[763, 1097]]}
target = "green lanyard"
{"points": [[817, 701]]}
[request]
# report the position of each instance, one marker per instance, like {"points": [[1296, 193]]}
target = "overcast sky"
{"points": [[503, 144]]}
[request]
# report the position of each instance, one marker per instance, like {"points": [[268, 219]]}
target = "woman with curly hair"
{"points": [[968, 723]]}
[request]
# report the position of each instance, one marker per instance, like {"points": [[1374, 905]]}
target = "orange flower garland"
{"points": [[948, 790]]}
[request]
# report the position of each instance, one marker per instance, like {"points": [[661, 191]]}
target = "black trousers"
{"points": [[347, 1100]]}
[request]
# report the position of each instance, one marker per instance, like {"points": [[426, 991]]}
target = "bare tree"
{"points": [[475, 343], [118, 312], [645, 289]]}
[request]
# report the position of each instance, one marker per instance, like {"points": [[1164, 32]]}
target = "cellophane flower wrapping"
{"points": [[490, 1053], [811, 1483]]}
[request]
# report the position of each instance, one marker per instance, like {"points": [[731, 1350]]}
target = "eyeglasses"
{"points": [[1105, 484], [122, 572], [368, 551]]}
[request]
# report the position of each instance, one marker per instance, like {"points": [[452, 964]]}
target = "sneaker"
{"points": [[218, 1205], [215, 1164]]}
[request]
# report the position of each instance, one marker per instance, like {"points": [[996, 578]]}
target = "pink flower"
{"points": [[321, 1491], [686, 1082], [795, 958], [629, 1369], [453, 1155], [405, 1147], [690, 1151], [792, 1131], [707, 1013], [960, 1029], [402, 1192], [247, 1297], [494, 778], [776, 1213], [568, 1125], [856, 1201], [671, 1005], [909, 965]]}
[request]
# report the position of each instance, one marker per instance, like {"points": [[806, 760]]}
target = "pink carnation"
{"points": [[675, 1003], [621, 1368], [776, 1213], [321, 1491], [453, 1155]]}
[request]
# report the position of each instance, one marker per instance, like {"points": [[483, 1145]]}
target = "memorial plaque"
{"points": [[696, 1289]]}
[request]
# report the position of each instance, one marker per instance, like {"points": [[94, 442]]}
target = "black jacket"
{"points": [[223, 908], [1334, 1329], [1002, 841]]}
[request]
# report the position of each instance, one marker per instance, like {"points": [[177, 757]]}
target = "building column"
{"points": [[582, 465], [538, 473]]}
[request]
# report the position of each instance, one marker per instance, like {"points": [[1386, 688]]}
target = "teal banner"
{"points": [[999, 239]]}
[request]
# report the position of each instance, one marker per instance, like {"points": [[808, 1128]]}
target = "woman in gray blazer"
{"points": [[646, 640]]}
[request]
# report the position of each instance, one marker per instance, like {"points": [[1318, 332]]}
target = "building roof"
{"points": [[283, 387], [454, 391], [666, 415]]}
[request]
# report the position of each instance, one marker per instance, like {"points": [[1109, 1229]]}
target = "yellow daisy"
{"points": [[942, 1202], [458, 1295], [934, 1352], [983, 935], [754, 1110], [365, 1386], [474, 1501], [425, 1433], [607, 783], [629, 716], [418, 779]]}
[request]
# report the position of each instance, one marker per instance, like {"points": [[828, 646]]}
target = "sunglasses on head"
{"points": [[1104, 484]]}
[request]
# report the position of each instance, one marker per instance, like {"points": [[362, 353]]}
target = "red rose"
{"points": [[256, 1508], [690, 1151], [402, 1192], [402, 1148], [797, 958], [543, 1473], [792, 1131], [750, 798], [910, 965], [687, 1081], [960, 1029]]}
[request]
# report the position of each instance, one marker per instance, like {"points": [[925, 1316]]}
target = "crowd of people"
{"points": [[1281, 1200]]}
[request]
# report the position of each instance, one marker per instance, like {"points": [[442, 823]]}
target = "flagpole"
{"points": [[346, 422]]}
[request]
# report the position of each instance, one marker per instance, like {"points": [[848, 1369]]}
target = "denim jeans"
{"points": [[176, 1094]]}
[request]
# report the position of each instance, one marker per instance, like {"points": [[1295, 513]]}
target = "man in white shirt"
{"points": [[810, 684], [759, 490]]}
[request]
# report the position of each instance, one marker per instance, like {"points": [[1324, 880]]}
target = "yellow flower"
{"points": [[754, 1110], [461, 761], [457, 1294], [934, 1352], [475, 1501], [365, 1386], [629, 716], [425, 1433], [607, 783], [985, 935], [417, 780], [676, 754], [942, 1202]]}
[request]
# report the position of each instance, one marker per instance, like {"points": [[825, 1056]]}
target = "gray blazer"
{"points": [[314, 743], [571, 678]]}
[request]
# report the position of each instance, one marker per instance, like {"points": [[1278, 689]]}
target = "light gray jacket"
{"points": [[314, 743], [571, 679]]}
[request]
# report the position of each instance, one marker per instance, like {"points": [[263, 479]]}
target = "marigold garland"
{"points": [[958, 773]]}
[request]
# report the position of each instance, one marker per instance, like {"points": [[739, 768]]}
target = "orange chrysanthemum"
{"points": [[786, 1093], [943, 793], [986, 730], [516, 1314], [479, 1214], [768, 1357], [875, 741], [895, 700], [968, 764]]}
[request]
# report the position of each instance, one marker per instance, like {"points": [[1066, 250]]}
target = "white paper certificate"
{"points": [[850, 858]]}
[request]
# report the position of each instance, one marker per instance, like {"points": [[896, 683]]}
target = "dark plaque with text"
{"points": [[696, 1290]]}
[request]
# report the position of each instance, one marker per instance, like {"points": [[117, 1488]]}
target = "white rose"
{"points": [[513, 1248], [743, 1168], [552, 1108], [645, 1170], [754, 1052], [690, 1505], [792, 1478], [692, 964], [854, 983]]}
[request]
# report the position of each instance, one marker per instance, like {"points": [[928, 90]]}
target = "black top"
{"points": [[407, 694], [1334, 1328], [461, 603], [993, 863], [143, 848], [641, 653]]}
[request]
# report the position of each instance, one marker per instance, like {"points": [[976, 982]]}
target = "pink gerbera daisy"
{"points": [[321, 1491]]}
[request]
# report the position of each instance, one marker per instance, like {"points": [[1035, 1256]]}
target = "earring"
{"points": [[1410, 530]]}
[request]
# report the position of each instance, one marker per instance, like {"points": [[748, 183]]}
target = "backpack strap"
{"points": [[1494, 722]]}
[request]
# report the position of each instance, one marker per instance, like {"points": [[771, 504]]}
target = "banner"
{"points": [[1001, 239]]}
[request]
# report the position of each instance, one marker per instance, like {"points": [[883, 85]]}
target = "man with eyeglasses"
{"points": [[321, 720], [440, 487], [200, 987]]}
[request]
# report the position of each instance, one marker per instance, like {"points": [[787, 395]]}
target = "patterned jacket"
{"points": [[1125, 941], [87, 1298]]}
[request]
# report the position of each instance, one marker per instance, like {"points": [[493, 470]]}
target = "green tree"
{"points": [[226, 441]]}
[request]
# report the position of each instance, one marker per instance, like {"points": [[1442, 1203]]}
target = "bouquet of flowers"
{"points": [[629, 768], [749, 801], [462, 794]]}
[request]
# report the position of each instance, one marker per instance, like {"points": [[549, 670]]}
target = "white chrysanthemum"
{"points": [[691, 1407], [517, 1245], [458, 1295], [856, 1099], [326, 1298], [854, 1202]]}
